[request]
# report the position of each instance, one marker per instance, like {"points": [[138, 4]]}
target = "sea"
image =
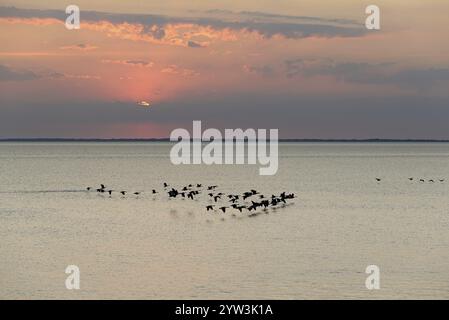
{"points": [[149, 246]]}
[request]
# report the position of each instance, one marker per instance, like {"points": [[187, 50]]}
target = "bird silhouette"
{"points": [[255, 204], [223, 209], [210, 208], [173, 193], [247, 195], [252, 207]]}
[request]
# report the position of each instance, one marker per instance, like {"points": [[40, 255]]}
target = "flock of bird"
{"points": [[218, 201], [420, 180]]}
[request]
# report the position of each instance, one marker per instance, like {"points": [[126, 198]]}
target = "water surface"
{"points": [[153, 248]]}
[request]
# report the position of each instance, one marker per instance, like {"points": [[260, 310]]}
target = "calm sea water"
{"points": [[150, 247]]}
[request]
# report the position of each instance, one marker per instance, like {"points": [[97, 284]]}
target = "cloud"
{"points": [[8, 74], [132, 63], [282, 17], [174, 69], [193, 44], [81, 46], [423, 78], [193, 31], [264, 71], [82, 76], [366, 73], [345, 71]]}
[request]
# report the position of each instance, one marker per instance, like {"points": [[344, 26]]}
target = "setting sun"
{"points": [[143, 103]]}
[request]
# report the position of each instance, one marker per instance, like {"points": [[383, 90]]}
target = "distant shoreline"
{"points": [[280, 140]]}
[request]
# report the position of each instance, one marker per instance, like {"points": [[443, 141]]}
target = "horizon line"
{"points": [[168, 140]]}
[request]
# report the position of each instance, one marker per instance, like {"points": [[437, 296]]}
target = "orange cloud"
{"points": [[180, 34], [174, 69]]}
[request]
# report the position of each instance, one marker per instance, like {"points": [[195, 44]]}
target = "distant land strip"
{"points": [[168, 140]]}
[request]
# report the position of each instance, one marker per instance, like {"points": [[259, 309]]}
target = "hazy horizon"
{"points": [[167, 139]]}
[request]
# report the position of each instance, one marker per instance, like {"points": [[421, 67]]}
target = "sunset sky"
{"points": [[309, 68]]}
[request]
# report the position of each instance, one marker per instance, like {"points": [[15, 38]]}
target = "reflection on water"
{"points": [[150, 247]]}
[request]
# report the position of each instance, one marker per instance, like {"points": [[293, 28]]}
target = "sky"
{"points": [[139, 69]]}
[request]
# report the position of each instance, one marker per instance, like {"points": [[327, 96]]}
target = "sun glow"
{"points": [[143, 103]]}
